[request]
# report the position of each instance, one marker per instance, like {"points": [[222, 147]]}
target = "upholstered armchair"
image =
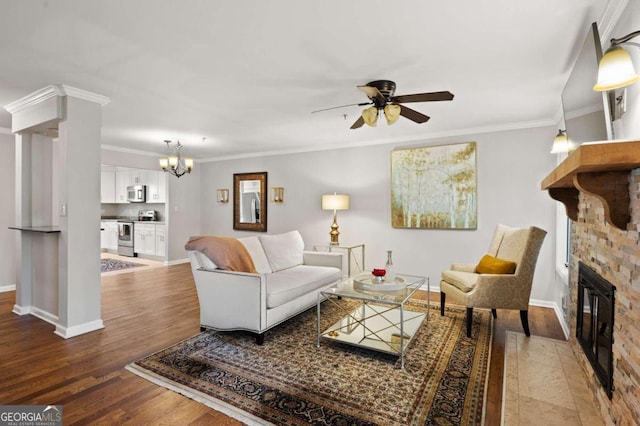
{"points": [[511, 258]]}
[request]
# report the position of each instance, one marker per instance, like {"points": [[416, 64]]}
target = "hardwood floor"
{"points": [[143, 312]]}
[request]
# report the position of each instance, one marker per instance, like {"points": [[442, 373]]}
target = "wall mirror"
{"points": [[250, 201]]}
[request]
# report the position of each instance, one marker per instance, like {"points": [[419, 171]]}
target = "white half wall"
{"points": [[511, 165]]}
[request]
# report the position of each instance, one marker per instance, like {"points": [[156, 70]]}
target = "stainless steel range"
{"points": [[125, 238]]}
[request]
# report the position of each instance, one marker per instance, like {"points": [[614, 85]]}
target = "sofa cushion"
{"points": [[257, 254], [289, 284], [464, 281], [283, 250], [493, 265]]}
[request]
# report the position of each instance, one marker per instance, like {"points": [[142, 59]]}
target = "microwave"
{"points": [[137, 194]]}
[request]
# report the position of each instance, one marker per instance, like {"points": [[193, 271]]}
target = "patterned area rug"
{"points": [[289, 381], [108, 265]]}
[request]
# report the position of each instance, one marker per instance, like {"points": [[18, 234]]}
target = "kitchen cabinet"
{"points": [[160, 240], [108, 186], [109, 237], [144, 238], [154, 180], [156, 185], [123, 179]]}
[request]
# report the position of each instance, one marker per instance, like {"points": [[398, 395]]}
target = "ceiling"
{"points": [[246, 75]]}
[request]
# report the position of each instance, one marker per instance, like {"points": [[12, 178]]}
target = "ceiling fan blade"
{"points": [[359, 123], [371, 92], [413, 115], [424, 97], [342, 106]]}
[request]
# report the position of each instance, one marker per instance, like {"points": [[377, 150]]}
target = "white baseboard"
{"points": [[557, 310], [76, 330], [532, 302], [5, 288], [44, 315], [21, 310], [176, 262]]}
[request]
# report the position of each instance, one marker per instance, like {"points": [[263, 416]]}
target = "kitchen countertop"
{"points": [[129, 219]]}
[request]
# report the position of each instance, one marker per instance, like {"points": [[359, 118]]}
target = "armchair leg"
{"points": [[469, 321], [259, 338], [494, 313], [443, 296], [524, 318]]}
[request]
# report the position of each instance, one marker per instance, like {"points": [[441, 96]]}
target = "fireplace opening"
{"points": [[594, 331]]}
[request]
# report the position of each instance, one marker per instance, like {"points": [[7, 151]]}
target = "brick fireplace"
{"points": [[614, 254]]}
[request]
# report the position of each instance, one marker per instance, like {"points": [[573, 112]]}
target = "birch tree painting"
{"points": [[434, 187]]}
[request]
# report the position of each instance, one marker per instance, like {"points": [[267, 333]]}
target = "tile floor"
{"points": [[544, 385]]}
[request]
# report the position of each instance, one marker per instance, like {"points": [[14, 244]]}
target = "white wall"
{"points": [[8, 237], [511, 165], [628, 127], [184, 211]]}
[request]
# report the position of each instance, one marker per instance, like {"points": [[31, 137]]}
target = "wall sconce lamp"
{"points": [[277, 194], [223, 196], [561, 143], [335, 202], [616, 69]]}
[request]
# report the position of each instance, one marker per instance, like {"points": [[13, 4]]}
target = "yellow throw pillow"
{"points": [[493, 265]]}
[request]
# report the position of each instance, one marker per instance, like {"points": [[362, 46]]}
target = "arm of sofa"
{"points": [[231, 300], [318, 258]]}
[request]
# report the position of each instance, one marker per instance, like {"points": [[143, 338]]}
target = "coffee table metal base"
{"points": [[373, 326]]}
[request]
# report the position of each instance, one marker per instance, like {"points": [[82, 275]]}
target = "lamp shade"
{"points": [[561, 143], [392, 113], [615, 70], [370, 116], [335, 202]]}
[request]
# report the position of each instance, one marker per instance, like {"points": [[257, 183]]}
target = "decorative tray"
{"points": [[367, 281]]}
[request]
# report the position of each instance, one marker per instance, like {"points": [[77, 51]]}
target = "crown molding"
{"points": [[457, 132], [74, 92], [51, 91], [609, 18], [34, 98], [5, 131], [130, 150]]}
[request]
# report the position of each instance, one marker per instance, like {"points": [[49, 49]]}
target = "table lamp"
{"points": [[335, 202]]}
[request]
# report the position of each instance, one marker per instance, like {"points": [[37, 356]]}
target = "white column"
{"points": [[79, 221], [24, 278], [58, 186]]}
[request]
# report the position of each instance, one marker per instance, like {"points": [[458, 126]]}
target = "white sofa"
{"points": [[287, 282]]}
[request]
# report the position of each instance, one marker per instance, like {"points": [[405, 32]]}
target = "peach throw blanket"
{"points": [[227, 253]]}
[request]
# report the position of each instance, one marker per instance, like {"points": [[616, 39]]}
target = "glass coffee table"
{"points": [[381, 322]]}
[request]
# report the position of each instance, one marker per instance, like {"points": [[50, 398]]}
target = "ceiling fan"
{"points": [[381, 96]]}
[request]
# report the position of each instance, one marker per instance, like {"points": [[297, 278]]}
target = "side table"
{"points": [[354, 255]]}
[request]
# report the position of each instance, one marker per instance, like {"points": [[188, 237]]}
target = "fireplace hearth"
{"points": [[594, 330]]}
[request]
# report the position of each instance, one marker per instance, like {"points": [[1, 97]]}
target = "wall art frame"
{"points": [[434, 187]]}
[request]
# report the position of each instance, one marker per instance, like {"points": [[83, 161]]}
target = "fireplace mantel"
{"points": [[599, 169]]}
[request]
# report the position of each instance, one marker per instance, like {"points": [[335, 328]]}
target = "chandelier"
{"points": [[174, 163]]}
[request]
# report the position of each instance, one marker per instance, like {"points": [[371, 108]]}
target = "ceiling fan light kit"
{"points": [[392, 113], [370, 116], [381, 97]]}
